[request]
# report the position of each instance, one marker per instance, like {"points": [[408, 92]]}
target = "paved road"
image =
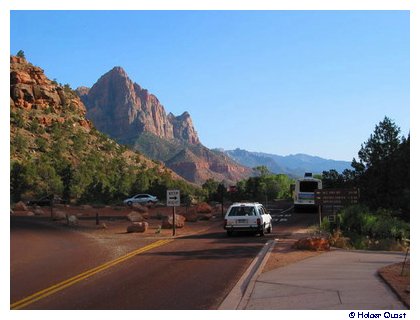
{"points": [[194, 272]]}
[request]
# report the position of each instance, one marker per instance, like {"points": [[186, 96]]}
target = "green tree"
{"points": [[210, 187], [382, 172], [384, 142], [20, 54], [332, 179]]}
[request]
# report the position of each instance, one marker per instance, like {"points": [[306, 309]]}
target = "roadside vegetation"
{"points": [[264, 186], [382, 175]]}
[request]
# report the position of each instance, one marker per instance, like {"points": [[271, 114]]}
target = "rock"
{"points": [[39, 212], [72, 220], [134, 216], [167, 222], [139, 208], [191, 217], [312, 243], [59, 215], [20, 206], [138, 227], [30, 214], [30, 88], [86, 207], [203, 207]]}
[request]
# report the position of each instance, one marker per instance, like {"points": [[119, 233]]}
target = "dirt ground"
{"points": [[112, 220], [283, 254], [398, 279]]}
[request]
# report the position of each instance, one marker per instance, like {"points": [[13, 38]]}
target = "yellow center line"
{"points": [[69, 282]]}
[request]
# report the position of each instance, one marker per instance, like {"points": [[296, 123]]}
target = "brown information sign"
{"points": [[336, 197]]}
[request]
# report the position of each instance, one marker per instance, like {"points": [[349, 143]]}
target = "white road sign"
{"points": [[173, 198]]}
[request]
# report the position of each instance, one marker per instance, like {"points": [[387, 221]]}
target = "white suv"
{"points": [[248, 217]]}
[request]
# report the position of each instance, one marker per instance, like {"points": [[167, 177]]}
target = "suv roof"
{"points": [[246, 204]]}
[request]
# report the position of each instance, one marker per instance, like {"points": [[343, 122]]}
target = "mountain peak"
{"points": [[122, 109], [119, 71]]}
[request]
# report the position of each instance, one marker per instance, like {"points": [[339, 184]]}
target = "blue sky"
{"points": [[282, 82]]}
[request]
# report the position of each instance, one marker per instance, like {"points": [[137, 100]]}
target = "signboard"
{"points": [[173, 198], [331, 218], [336, 197]]}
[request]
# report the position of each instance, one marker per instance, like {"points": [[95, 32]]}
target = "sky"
{"points": [[282, 82]]}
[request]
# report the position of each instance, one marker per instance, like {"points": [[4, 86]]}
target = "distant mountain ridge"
{"points": [[294, 165]]}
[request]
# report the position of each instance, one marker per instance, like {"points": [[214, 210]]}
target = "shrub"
{"points": [[369, 230], [351, 218]]}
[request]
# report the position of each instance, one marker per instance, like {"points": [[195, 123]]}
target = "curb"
{"points": [[238, 297]]}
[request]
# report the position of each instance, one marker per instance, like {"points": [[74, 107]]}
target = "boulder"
{"points": [[139, 208], [313, 244], [59, 215], [30, 214], [191, 217], [134, 216], [72, 220], [167, 222], [203, 207], [20, 206], [39, 212], [138, 227]]}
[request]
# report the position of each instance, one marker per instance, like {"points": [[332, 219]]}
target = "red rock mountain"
{"points": [[48, 124], [130, 114], [30, 89], [123, 110]]}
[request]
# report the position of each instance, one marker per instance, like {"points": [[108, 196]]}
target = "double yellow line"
{"points": [[69, 282]]}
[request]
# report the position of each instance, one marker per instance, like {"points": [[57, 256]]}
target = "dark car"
{"points": [[45, 201]]}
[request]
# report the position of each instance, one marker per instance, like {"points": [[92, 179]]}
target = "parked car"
{"points": [[141, 199], [45, 201], [250, 216]]}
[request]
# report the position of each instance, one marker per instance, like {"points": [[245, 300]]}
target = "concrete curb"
{"points": [[239, 296]]}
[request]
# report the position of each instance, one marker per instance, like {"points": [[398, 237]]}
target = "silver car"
{"points": [[141, 198]]}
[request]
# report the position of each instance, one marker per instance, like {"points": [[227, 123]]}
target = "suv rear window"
{"points": [[242, 211]]}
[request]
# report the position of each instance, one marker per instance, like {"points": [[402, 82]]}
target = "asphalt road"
{"points": [[188, 273]]}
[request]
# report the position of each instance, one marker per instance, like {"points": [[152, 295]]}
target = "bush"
{"points": [[373, 230]]}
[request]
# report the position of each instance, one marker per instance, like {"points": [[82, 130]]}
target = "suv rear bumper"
{"points": [[243, 228]]}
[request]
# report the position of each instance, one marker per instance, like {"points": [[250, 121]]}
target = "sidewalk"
{"points": [[335, 280]]}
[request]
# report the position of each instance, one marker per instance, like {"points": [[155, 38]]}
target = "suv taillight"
{"points": [[259, 221]]}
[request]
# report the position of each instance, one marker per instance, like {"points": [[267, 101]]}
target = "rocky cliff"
{"points": [[122, 109], [131, 115], [30, 89]]}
